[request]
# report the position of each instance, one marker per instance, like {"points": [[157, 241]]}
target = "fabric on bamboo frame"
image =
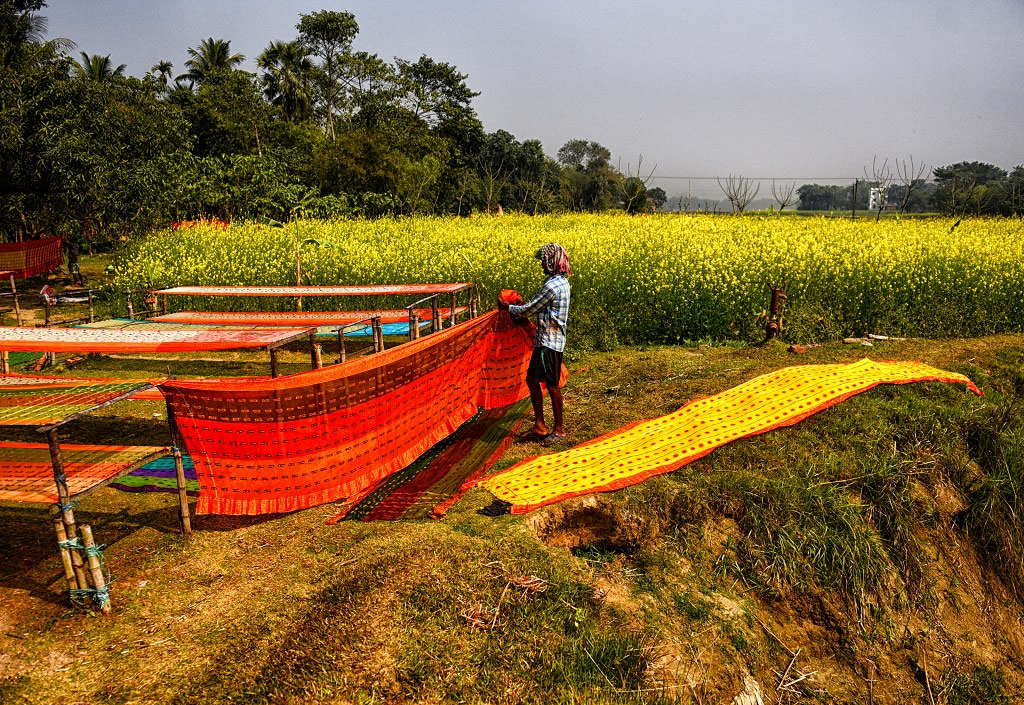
{"points": [[26, 259], [26, 472], [105, 340], [307, 318], [348, 290], [38, 401], [159, 475], [277, 445], [644, 449]]}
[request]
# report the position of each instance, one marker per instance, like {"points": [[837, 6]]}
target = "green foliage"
{"points": [[983, 686]]}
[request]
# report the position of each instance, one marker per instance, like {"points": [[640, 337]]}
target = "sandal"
{"points": [[553, 439], [530, 436]]}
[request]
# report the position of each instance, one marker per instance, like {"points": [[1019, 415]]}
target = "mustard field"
{"points": [[641, 279]]}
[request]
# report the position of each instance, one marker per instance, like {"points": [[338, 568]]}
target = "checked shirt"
{"points": [[551, 304]]}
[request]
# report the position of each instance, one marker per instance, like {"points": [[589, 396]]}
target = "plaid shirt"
{"points": [[551, 304]]}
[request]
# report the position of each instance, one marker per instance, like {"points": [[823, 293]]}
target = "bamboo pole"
{"points": [[184, 519], [318, 356], [5, 362], [315, 362], [64, 497], [453, 315], [65, 552], [46, 304], [17, 306], [435, 317], [131, 307], [273, 363], [414, 324], [341, 344], [96, 571], [92, 309]]}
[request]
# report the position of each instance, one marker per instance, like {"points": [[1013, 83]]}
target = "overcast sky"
{"points": [[788, 89]]}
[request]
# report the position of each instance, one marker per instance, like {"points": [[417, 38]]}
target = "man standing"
{"points": [[551, 305]]}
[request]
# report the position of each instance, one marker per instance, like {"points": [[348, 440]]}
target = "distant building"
{"points": [[875, 199]]}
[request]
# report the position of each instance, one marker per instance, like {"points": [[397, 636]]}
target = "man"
{"points": [[551, 306]]}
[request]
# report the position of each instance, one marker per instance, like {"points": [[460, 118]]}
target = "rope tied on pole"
{"points": [[100, 596]]}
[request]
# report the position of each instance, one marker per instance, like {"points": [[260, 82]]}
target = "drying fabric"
{"points": [[371, 290], [39, 401], [276, 445], [106, 340], [644, 449], [26, 474], [436, 480], [159, 476], [26, 259], [278, 318]]}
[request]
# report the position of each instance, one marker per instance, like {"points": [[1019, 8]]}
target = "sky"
{"points": [[804, 91]]}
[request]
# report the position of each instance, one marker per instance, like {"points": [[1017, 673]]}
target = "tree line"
{"points": [[320, 130]]}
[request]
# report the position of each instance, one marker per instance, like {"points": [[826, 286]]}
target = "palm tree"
{"points": [[287, 79], [97, 68], [161, 71], [211, 56]]}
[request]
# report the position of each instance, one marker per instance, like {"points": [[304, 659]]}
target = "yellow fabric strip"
{"points": [[636, 452]]}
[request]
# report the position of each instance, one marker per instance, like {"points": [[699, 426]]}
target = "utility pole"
{"points": [[853, 214]]}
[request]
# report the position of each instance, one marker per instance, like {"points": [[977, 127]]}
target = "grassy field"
{"points": [[883, 539]]}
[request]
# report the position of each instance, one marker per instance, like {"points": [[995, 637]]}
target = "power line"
{"points": [[766, 178]]}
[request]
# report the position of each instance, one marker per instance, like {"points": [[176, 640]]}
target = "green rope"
{"points": [[71, 543], [101, 596]]}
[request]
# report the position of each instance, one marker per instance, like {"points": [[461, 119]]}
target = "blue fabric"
{"points": [[551, 305]]}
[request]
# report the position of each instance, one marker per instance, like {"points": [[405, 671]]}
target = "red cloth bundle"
{"points": [[510, 297]]}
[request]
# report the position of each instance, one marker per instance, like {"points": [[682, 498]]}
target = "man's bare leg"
{"points": [[537, 399], [556, 406]]}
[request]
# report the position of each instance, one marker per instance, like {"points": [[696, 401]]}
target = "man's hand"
{"points": [[502, 305]]}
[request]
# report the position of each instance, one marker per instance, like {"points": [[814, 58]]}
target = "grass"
{"points": [[895, 514]]}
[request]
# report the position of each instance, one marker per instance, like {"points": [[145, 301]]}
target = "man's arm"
{"points": [[539, 301]]}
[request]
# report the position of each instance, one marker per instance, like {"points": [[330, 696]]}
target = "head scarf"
{"points": [[554, 259]]}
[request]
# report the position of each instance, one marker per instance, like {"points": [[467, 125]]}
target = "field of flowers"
{"points": [[661, 278]]}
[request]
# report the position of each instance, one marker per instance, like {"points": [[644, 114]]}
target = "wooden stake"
{"points": [[17, 306], [68, 514], [95, 569], [452, 316], [131, 308], [313, 354], [273, 363], [46, 321], [318, 356], [184, 520], [414, 324], [5, 362], [341, 344], [435, 316], [65, 553], [92, 309]]}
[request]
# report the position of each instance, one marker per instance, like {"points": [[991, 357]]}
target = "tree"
{"points": [[212, 56], [737, 191], [881, 178], [784, 195], [634, 189], [912, 178], [328, 34], [287, 79], [161, 72], [97, 68], [227, 115], [971, 188], [657, 197]]}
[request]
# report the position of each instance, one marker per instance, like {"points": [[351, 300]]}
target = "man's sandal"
{"points": [[531, 436], [553, 439]]}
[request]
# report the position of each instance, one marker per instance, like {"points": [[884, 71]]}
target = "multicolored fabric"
{"points": [[26, 473], [278, 318], [438, 478], [107, 340], [26, 259], [551, 304], [554, 259], [644, 449], [277, 445], [372, 290], [39, 401], [159, 476]]}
